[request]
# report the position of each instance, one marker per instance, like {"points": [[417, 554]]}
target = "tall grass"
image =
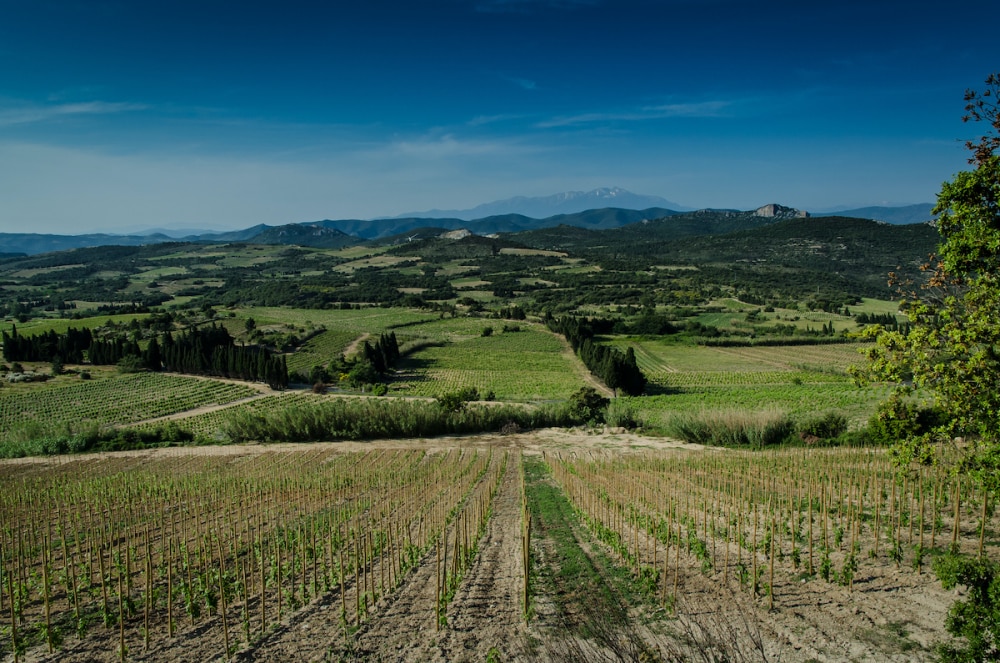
{"points": [[731, 428], [362, 419]]}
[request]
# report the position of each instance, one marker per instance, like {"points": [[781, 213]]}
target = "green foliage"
{"points": [[624, 413], [588, 405], [951, 345], [360, 419], [825, 426], [977, 618], [731, 428]]}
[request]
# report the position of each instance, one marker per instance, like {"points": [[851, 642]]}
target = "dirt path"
{"points": [[352, 349], [580, 369], [486, 614], [205, 409]]}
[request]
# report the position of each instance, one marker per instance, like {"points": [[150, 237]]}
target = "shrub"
{"points": [[588, 405], [454, 401], [131, 364], [360, 419], [976, 619], [825, 426], [897, 419], [737, 428], [623, 413]]}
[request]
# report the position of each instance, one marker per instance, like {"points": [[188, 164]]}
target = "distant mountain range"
{"points": [[628, 209], [542, 207]]}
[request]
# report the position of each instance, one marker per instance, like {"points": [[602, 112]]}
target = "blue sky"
{"points": [[123, 114]]}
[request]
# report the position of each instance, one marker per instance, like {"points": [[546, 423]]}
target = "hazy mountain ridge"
{"points": [[337, 233], [539, 207], [900, 215]]}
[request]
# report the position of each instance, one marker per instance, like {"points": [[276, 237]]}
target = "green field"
{"points": [[445, 353], [358, 322], [530, 364], [60, 325], [676, 364], [801, 402]]}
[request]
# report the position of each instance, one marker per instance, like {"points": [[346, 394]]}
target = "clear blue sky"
{"points": [[123, 114]]}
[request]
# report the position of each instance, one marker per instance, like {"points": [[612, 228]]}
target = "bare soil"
{"points": [[890, 615]]}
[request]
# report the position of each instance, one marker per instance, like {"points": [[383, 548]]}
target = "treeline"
{"points": [[615, 369], [69, 347], [212, 351], [209, 351], [886, 320]]}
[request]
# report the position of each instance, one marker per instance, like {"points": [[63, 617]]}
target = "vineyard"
{"points": [[482, 550], [320, 349], [529, 364], [118, 400]]}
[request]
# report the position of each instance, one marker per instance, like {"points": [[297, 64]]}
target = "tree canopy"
{"points": [[951, 349]]}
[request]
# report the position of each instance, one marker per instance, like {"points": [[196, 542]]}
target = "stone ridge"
{"points": [[780, 211]]}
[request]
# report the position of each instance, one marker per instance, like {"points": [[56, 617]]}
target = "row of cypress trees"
{"points": [[384, 354], [614, 368], [212, 351], [69, 347]]}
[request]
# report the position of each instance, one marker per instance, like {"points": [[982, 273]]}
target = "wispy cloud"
{"points": [[33, 113], [483, 120], [450, 146], [642, 114], [523, 83]]}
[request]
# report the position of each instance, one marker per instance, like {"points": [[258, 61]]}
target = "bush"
{"points": [[976, 619], [736, 428], [825, 426], [588, 405], [897, 419], [623, 413], [131, 364], [453, 401]]}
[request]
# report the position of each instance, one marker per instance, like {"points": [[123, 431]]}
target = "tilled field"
{"points": [[412, 551]]}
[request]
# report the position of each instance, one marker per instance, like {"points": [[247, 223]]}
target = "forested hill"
{"points": [[555, 230]]}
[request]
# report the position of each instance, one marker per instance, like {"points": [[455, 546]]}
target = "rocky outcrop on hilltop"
{"points": [[774, 210]]}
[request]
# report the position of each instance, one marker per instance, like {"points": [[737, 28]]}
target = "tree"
{"points": [[588, 405], [951, 348], [951, 351]]}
